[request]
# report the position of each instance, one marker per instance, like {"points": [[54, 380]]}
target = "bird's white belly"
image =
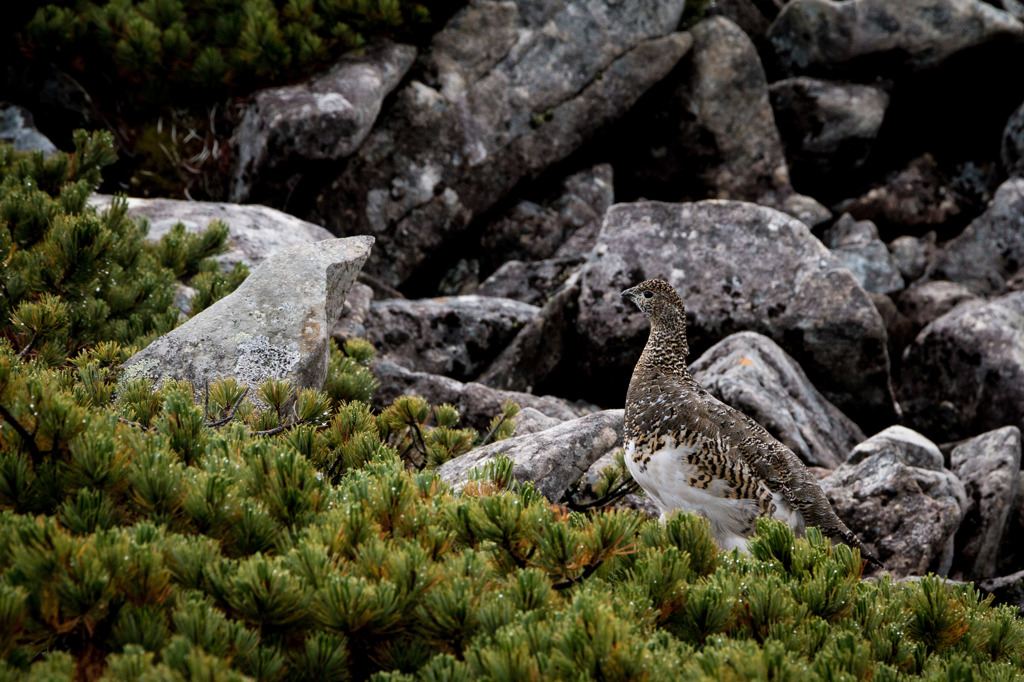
{"points": [[666, 476]]}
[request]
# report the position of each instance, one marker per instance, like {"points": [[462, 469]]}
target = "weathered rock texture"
{"points": [[738, 267], [989, 466], [277, 324], [822, 36], [477, 403], [254, 232], [534, 231], [327, 117], [964, 373], [750, 372], [907, 516], [457, 336], [730, 134], [353, 314], [515, 88], [533, 282], [907, 445], [991, 250], [928, 301], [552, 459], [826, 126], [858, 248]]}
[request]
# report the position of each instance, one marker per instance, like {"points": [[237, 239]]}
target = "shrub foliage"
{"points": [[306, 536]]}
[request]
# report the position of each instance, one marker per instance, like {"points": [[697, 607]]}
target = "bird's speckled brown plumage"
{"points": [[714, 459]]}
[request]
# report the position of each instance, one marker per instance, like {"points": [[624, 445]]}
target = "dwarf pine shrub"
{"points": [[267, 533]]}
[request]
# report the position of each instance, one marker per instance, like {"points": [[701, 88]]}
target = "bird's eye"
{"points": [[648, 294]]}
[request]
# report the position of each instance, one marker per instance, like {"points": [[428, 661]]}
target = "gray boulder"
{"points": [[477, 403], [457, 336], [532, 231], [907, 445], [907, 516], [858, 248], [750, 372], [275, 325], [1011, 153], [826, 126], [964, 373], [533, 282], [991, 250], [824, 36], [18, 128], [532, 420], [989, 467], [738, 267], [911, 255], [254, 232], [552, 459], [325, 118], [730, 133], [515, 87], [928, 301]]}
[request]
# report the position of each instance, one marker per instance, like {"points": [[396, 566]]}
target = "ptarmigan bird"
{"points": [[690, 451]]}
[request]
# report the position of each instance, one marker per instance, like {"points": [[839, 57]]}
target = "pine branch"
{"points": [[28, 346], [26, 437], [231, 413], [490, 434], [627, 487], [137, 425]]}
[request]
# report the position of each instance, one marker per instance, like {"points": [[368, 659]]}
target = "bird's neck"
{"points": [[666, 350]]}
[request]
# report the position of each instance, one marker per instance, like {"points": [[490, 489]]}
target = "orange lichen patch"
{"points": [[746, 362]]}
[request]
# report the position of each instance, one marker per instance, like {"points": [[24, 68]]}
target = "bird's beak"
{"points": [[629, 295]]}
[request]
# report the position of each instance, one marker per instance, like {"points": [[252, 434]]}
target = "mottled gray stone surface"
{"points": [[822, 36], [17, 127], [750, 372], [989, 467], [277, 324], [509, 89], [552, 459], [325, 118]]}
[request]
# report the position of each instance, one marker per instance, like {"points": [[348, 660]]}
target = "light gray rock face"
{"points": [[456, 336], [824, 36], [535, 231], [1011, 153], [737, 147], [989, 467], [928, 301], [858, 248], [750, 372], [516, 87], [532, 283], [552, 459], [911, 255], [907, 516], [18, 128], [531, 420], [964, 373], [277, 324], [254, 232], [477, 403], [827, 126], [991, 250], [351, 325], [738, 267], [325, 118], [907, 445]]}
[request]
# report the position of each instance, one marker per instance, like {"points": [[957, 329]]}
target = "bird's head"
{"points": [[658, 301]]}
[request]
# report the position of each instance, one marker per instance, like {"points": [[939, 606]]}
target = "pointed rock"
{"points": [[276, 324]]}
